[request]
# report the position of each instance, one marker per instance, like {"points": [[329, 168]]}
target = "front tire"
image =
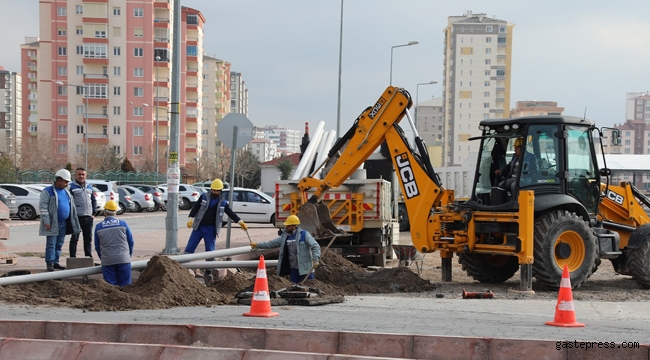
{"points": [[639, 264], [26, 212], [563, 238], [485, 268]]}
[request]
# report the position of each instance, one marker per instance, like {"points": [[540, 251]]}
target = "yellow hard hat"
{"points": [[292, 220], [518, 142], [110, 205], [217, 185]]}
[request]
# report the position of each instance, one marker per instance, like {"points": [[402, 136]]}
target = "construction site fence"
{"points": [[120, 177]]}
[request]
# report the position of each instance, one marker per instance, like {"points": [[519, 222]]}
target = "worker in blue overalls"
{"points": [[114, 246]]}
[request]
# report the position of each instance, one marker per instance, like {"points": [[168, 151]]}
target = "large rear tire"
{"points": [[564, 238], [638, 263], [403, 218], [493, 269]]}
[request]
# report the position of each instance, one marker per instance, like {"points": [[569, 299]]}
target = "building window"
{"points": [[116, 110], [62, 51], [192, 50], [61, 32], [116, 130], [486, 94], [138, 12], [486, 105], [62, 148], [117, 90], [138, 91], [63, 110], [138, 72], [116, 11], [488, 29], [488, 39], [79, 149], [100, 34], [80, 110], [627, 151], [488, 62], [137, 131], [80, 129], [138, 52], [62, 90], [501, 73], [138, 111], [501, 40], [116, 148], [192, 19], [96, 91], [62, 71], [95, 51], [502, 29], [627, 142], [116, 51], [80, 69], [137, 150], [79, 30], [117, 31], [79, 9], [138, 32], [488, 51], [487, 83], [61, 11], [33, 128], [117, 71], [80, 50], [63, 129]]}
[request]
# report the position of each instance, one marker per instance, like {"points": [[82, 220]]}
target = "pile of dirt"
{"points": [[164, 283]]}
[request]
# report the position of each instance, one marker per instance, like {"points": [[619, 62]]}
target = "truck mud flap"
{"points": [[316, 219]]}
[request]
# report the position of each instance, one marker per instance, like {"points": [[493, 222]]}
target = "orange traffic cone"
{"points": [[565, 314], [261, 301]]}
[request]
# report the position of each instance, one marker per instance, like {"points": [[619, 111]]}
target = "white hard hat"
{"points": [[63, 174]]}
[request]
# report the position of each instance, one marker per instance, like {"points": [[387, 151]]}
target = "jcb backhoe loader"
{"points": [[547, 210]]}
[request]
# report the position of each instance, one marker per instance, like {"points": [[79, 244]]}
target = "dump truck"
{"points": [[549, 212]]}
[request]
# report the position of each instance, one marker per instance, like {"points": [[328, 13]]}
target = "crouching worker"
{"points": [[299, 252], [114, 246]]}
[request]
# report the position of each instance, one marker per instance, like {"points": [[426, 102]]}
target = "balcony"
{"points": [[35, 57], [96, 116], [192, 100], [500, 99], [501, 88]]}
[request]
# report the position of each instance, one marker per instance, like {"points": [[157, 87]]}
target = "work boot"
{"points": [[50, 267], [58, 267]]}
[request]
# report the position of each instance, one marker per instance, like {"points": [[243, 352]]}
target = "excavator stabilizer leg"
{"points": [[316, 219]]}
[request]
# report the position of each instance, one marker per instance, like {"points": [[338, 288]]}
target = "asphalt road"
{"points": [[402, 314]]}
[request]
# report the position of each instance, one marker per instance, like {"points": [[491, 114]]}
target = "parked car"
{"points": [[100, 197], [109, 188], [9, 199], [27, 200], [141, 199], [163, 191], [188, 196], [157, 196], [126, 202], [252, 206]]}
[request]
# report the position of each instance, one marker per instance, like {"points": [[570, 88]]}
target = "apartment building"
{"points": [[286, 140], [637, 106], [265, 150], [238, 94], [11, 90], [215, 101], [431, 121], [635, 138], [29, 73], [535, 108], [104, 72], [477, 76]]}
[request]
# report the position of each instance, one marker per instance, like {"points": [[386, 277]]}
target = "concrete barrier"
{"points": [[66, 340]]}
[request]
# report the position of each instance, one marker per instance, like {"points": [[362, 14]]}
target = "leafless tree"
{"points": [[40, 154]]}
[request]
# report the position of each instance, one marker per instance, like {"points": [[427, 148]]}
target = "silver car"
{"points": [[9, 199], [141, 199], [188, 196]]}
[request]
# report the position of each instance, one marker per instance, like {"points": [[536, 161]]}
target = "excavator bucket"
{"points": [[316, 219]]}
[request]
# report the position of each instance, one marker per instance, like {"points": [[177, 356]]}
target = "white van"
{"points": [[109, 188]]}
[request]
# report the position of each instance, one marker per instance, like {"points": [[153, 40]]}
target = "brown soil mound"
{"points": [[164, 283]]}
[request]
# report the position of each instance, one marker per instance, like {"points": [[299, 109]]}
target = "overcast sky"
{"points": [[580, 54]]}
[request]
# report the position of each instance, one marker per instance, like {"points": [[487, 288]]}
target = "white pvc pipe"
{"points": [[228, 264], [319, 154], [312, 155], [311, 148], [140, 264]]}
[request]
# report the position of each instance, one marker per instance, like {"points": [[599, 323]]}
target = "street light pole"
{"points": [[156, 109], [417, 94], [338, 104], [391, 57], [85, 102]]}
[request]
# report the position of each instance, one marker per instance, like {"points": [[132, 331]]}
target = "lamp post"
{"points": [[391, 57], [85, 99], [338, 103], [417, 94], [156, 109], [147, 105]]}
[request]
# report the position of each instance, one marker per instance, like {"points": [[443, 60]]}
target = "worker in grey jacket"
{"points": [[299, 251], [84, 200], [58, 218], [114, 246]]}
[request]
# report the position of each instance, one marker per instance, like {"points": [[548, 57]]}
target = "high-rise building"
{"points": [[285, 139], [265, 150], [104, 74], [637, 106], [477, 73], [635, 138], [29, 73], [11, 90], [431, 121], [535, 108], [238, 94], [216, 100]]}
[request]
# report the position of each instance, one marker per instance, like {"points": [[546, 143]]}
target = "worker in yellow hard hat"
{"points": [[299, 252], [206, 218], [511, 171], [114, 246]]}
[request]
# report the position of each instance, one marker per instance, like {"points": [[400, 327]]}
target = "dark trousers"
{"points": [[86, 223]]}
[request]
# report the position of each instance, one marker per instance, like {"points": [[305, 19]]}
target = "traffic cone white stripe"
{"points": [[261, 296], [261, 273], [565, 306], [565, 283]]}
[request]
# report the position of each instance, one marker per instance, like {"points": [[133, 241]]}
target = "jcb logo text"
{"points": [[615, 197], [407, 176]]}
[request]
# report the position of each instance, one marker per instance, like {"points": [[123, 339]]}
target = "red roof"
{"points": [[294, 158]]}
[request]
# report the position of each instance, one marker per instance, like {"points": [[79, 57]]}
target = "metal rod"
{"points": [[338, 104], [235, 131], [228, 264], [135, 265]]}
